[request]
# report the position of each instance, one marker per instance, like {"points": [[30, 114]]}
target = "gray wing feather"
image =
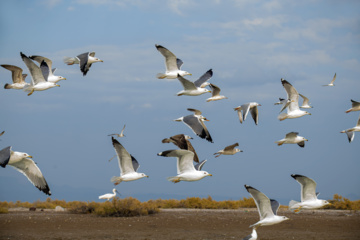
{"points": [[35, 71], [231, 147], [179, 63], [45, 70], [292, 95], [39, 59], [84, 66], [308, 187], [5, 156], [255, 114], [200, 165], [205, 77], [274, 205], [16, 73], [262, 202], [187, 85], [215, 90], [124, 158], [170, 58]]}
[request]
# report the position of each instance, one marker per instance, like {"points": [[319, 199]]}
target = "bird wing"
{"points": [[184, 159], [170, 58], [179, 63], [358, 122], [45, 70], [262, 202], [196, 112], [205, 77], [135, 163], [308, 187], [39, 59], [215, 90], [124, 158], [291, 135], [292, 95], [354, 104], [245, 108], [274, 205], [200, 165], [122, 131], [187, 85], [306, 100], [191, 148], [83, 59], [255, 114], [239, 115], [350, 135], [16, 73], [29, 168], [301, 144], [333, 80], [197, 126], [231, 147], [35, 71], [5, 156]]}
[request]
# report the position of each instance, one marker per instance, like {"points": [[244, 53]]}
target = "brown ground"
{"points": [[179, 224]]}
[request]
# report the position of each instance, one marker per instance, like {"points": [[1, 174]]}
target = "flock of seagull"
{"points": [[43, 78]]}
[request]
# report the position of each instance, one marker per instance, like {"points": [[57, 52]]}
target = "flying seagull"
{"points": [[185, 167], [305, 103], [284, 102], [47, 72], [109, 196], [38, 81], [331, 84], [245, 108], [267, 208], [117, 134], [252, 236], [85, 60], [350, 132], [229, 150], [18, 78], [293, 110], [355, 106], [182, 141], [128, 165], [172, 64], [21, 162], [309, 198], [196, 123], [195, 88], [215, 93], [292, 138]]}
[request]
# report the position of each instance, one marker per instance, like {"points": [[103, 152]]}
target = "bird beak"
{"points": [[64, 79], [57, 85], [210, 175], [101, 61], [237, 108], [30, 156], [147, 176], [306, 140]]}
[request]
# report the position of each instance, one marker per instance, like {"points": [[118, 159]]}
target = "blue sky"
{"points": [[249, 45]]}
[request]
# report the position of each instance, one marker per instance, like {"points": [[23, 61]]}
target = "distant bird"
{"points": [[18, 78], [196, 124], [267, 208], [355, 106], [331, 84], [38, 82], [229, 150], [21, 162], [128, 165], [292, 138], [2, 133], [117, 134], [109, 196], [309, 198], [194, 88], [245, 108], [85, 60], [215, 93], [185, 167], [350, 132], [293, 110], [305, 103], [182, 141], [252, 236], [47, 72], [284, 102], [172, 64]]}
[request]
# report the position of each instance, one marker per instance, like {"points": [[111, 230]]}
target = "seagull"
{"points": [[17, 77], [293, 110], [48, 72], [331, 84], [252, 106], [85, 60], [292, 138], [355, 106], [229, 150], [267, 208], [196, 123], [21, 162], [195, 88], [305, 103], [172, 64], [185, 167], [182, 141], [128, 165], [215, 93], [309, 198], [117, 134], [109, 196], [350, 132], [252, 236], [284, 102]]}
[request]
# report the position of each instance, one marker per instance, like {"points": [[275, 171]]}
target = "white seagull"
{"points": [[305, 103], [128, 165], [117, 134], [331, 84], [85, 60], [38, 82], [215, 93], [355, 106], [267, 208], [109, 196], [185, 167], [309, 198], [196, 123], [47, 72], [293, 110], [21, 162], [350, 132], [284, 102], [252, 236], [172, 64], [292, 138], [252, 107], [194, 88], [18, 78], [182, 141], [229, 150]]}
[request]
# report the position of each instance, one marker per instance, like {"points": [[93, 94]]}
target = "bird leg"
{"points": [[31, 92], [176, 180], [297, 210]]}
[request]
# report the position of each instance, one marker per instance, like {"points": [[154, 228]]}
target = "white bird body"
{"points": [[350, 132], [229, 150], [215, 93], [331, 84], [292, 138], [246, 108], [109, 196]]}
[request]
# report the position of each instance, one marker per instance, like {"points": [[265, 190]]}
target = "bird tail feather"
{"points": [[282, 116], [116, 180], [69, 60], [160, 76], [292, 203], [173, 179]]}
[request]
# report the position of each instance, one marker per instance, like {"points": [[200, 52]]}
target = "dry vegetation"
{"points": [[128, 207]]}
